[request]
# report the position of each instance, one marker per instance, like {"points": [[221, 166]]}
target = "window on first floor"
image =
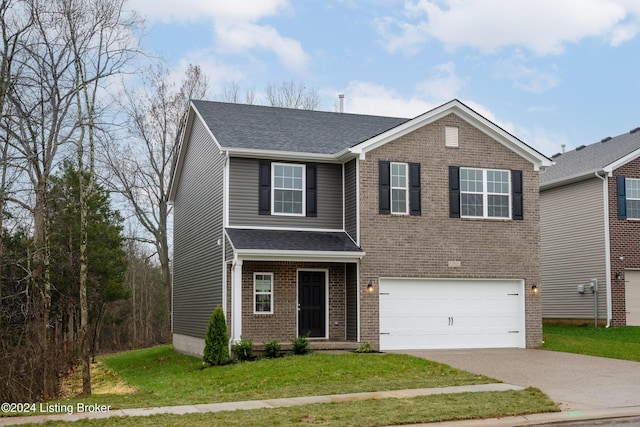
{"points": [[263, 293], [485, 193]]}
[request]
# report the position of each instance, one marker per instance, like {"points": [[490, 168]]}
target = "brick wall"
{"points": [[422, 246], [625, 244], [282, 324]]}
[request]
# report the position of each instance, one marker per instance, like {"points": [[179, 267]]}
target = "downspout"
{"points": [[607, 243]]}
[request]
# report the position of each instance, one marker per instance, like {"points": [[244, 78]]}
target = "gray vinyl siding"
{"points": [[243, 198], [572, 243], [350, 200], [198, 223]]}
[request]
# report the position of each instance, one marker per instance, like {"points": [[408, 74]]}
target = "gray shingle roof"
{"points": [[590, 158], [286, 129], [287, 240]]}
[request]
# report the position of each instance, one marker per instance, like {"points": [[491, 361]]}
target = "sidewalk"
{"points": [[524, 420]]}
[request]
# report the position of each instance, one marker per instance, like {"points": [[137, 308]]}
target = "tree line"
{"points": [[77, 275]]}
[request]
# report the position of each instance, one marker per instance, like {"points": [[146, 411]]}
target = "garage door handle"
{"points": [[450, 321], [385, 333]]}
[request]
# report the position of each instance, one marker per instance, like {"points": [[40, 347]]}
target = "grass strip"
{"points": [[423, 409]]}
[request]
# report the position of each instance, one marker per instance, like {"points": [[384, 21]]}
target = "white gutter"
{"points": [[289, 255], [607, 244]]}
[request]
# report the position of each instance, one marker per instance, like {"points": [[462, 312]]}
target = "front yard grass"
{"points": [[364, 413], [159, 376], [622, 342]]}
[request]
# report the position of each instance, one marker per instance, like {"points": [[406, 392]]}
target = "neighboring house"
{"points": [[590, 229], [403, 233]]}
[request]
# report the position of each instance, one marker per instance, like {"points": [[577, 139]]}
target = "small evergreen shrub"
{"points": [[301, 344], [216, 348], [272, 349], [244, 349]]}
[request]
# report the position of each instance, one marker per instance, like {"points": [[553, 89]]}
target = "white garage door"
{"points": [[632, 297], [437, 313]]}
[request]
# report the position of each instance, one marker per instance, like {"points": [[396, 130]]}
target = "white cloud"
{"points": [[542, 26], [242, 36], [193, 10], [234, 23], [444, 85], [524, 77], [370, 98]]}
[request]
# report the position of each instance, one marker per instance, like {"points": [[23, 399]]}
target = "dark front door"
{"points": [[312, 303]]}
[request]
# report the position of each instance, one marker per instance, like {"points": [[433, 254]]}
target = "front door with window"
{"points": [[312, 303]]}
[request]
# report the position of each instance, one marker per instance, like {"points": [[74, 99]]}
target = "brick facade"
{"points": [[422, 246], [282, 324], [624, 244]]}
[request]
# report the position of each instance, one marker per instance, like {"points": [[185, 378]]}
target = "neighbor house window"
{"points": [[485, 193], [263, 293], [288, 189], [399, 188], [633, 198]]}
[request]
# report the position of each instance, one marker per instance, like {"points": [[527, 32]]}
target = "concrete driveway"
{"points": [[574, 381]]}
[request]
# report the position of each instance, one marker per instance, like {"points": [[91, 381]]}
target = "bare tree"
{"points": [[291, 94], [231, 93], [141, 166], [101, 40]]}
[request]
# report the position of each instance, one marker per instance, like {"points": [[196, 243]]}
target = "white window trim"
{"points": [[255, 275], [632, 218], [486, 194], [304, 189], [405, 188]]}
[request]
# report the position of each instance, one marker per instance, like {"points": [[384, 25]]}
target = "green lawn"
{"points": [[159, 376], [621, 342], [364, 413]]}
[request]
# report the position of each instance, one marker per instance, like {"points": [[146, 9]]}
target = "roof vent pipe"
{"points": [[341, 103], [563, 147]]}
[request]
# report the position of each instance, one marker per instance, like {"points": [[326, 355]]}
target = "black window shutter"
{"points": [[414, 189], [384, 177], [454, 192], [312, 190], [622, 197], [264, 196], [517, 205]]}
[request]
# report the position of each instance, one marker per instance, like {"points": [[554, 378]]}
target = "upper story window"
{"points": [[288, 187], [633, 198], [485, 193], [399, 188]]}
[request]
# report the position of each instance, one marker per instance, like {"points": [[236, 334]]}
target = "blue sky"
{"points": [[551, 72]]}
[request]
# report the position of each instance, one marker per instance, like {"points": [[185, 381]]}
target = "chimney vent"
{"points": [[341, 103]]}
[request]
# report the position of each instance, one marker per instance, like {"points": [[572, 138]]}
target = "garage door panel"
{"points": [[431, 314]]}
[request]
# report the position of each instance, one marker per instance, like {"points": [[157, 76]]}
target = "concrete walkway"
{"points": [[258, 404]]}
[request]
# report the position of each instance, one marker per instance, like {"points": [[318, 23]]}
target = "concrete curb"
{"points": [[543, 419]]}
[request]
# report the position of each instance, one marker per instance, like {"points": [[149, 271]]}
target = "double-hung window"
{"points": [[263, 293], [633, 198], [485, 193], [399, 188], [288, 188]]}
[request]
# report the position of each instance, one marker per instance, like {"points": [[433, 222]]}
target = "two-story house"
{"points": [[403, 233], [590, 229]]}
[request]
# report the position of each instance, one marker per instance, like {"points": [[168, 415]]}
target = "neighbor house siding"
{"points": [[198, 222], [423, 245], [350, 202], [243, 198], [572, 250]]}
